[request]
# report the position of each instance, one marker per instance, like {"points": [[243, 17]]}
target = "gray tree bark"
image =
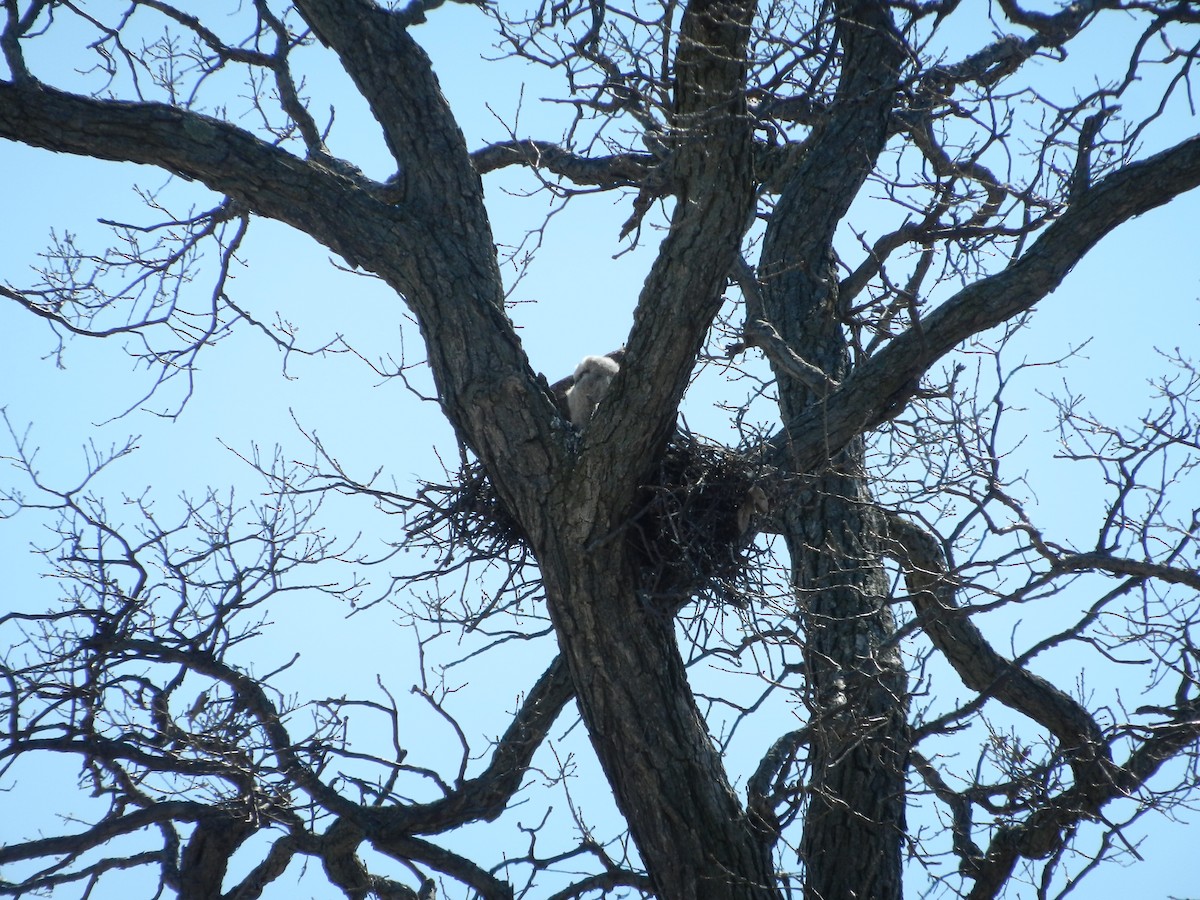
{"points": [[858, 695]]}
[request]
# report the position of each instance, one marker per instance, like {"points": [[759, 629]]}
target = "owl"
{"points": [[593, 375]]}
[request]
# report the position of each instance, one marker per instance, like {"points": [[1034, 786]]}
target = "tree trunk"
{"points": [[854, 828], [667, 777]]}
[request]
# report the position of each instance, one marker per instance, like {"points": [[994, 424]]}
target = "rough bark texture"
{"points": [[648, 733], [855, 824], [651, 738]]}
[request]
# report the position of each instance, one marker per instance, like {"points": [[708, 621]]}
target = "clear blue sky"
{"points": [[1138, 291]]}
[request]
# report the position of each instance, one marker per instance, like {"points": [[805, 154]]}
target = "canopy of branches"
{"points": [[778, 609]]}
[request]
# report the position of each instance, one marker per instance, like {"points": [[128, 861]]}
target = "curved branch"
{"points": [[265, 178], [763, 335], [604, 171], [396, 78], [1053, 29], [1097, 779], [605, 882], [919, 126], [979, 666], [1041, 834], [880, 388], [427, 235], [251, 692], [486, 796], [105, 830], [762, 794], [273, 865], [206, 855], [487, 387], [343, 868], [487, 885]]}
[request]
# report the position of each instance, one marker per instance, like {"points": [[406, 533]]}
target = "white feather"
{"points": [[593, 376]]}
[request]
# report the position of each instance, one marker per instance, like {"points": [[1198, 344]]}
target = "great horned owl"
{"points": [[593, 375]]}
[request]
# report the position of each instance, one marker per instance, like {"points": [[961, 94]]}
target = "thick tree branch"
{"points": [[762, 334], [208, 851], [395, 76], [484, 379], [711, 169], [227, 159], [880, 388], [441, 259], [981, 668], [273, 865]]}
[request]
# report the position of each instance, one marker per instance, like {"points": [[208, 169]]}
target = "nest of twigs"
{"points": [[691, 533], [694, 532], [466, 518]]}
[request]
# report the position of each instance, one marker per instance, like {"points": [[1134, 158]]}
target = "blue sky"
{"points": [[1138, 291]]}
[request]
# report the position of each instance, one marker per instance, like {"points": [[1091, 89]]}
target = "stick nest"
{"points": [[691, 533]]}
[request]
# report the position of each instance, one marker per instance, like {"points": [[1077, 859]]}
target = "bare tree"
{"points": [[848, 554]]}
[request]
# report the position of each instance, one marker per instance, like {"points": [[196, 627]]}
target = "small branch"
{"points": [[1081, 177], [404, 847], [960, 812], [762, 334], [1113, 565], [762, 794], [604, 171]]}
